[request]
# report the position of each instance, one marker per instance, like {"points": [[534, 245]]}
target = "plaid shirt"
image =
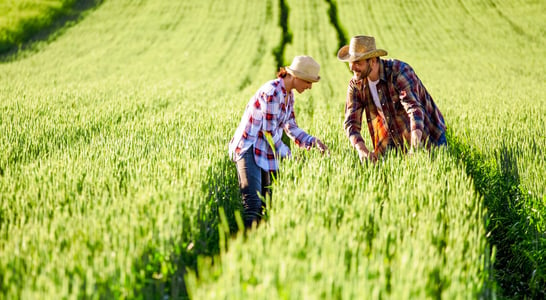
{"points": [[405, 102], [267, 113]]}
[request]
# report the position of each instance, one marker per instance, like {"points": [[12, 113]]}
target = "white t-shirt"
{"points": [[373, 91]]}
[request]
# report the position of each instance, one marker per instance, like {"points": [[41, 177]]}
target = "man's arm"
{"points": [[409, 87], [364, 153], [354, 108]]}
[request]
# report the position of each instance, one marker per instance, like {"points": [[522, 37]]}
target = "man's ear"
{"points": [[375, 61]]}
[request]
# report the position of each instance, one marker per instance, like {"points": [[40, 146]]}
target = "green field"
{"points": [[115, 180], [22, 21]]}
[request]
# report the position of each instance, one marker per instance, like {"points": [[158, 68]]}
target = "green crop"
{"points": [[115, 180]]}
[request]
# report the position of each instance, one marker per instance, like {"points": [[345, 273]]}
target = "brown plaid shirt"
{"points": [[406, 105]]}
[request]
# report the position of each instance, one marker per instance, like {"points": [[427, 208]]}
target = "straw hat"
{"points": [[361, 47], [304, 67]]}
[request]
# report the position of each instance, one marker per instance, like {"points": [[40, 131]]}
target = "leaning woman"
{"points": [[267, 114]]}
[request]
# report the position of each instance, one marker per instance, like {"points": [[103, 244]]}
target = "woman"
{"points": [[267, 114]]}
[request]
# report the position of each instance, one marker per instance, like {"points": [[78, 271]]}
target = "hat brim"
{"points": [[343, 54], [301, 75]]}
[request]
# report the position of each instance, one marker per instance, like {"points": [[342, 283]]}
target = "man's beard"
{"points": [[364, 75]]}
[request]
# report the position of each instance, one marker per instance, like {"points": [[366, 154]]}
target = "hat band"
{"points": [[302, 75]]}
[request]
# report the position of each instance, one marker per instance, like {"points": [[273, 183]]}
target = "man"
{"points": [[399, 110]]}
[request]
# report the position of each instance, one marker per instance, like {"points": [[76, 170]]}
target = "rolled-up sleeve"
{"points": [[353, 114]]}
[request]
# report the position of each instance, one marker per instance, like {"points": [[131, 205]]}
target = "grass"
{"points": [[26, 20], [115, 181]]}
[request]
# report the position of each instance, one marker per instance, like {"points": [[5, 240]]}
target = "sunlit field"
{"points": [[24, 20], [115, 180]]}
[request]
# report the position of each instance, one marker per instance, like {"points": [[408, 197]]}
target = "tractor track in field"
{"points": [[286, 35]]}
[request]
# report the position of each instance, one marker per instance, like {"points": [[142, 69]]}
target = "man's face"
{"points": [[361, 69]]}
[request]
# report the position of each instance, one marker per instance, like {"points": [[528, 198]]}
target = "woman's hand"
{"points": [[322, 147]]}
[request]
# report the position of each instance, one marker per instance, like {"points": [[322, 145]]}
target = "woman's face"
{"points": [[301, 85]]}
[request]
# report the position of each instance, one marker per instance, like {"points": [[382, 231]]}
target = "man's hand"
{"points": [[367, 155], [364, 154]]}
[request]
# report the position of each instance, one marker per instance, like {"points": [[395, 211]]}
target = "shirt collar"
{"points": [[286, 95]]}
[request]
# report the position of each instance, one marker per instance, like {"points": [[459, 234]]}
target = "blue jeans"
{"points": [[253, 183], [442, 141]]}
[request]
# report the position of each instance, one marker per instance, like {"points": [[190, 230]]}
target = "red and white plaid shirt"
{"points": [[269, 112]]}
